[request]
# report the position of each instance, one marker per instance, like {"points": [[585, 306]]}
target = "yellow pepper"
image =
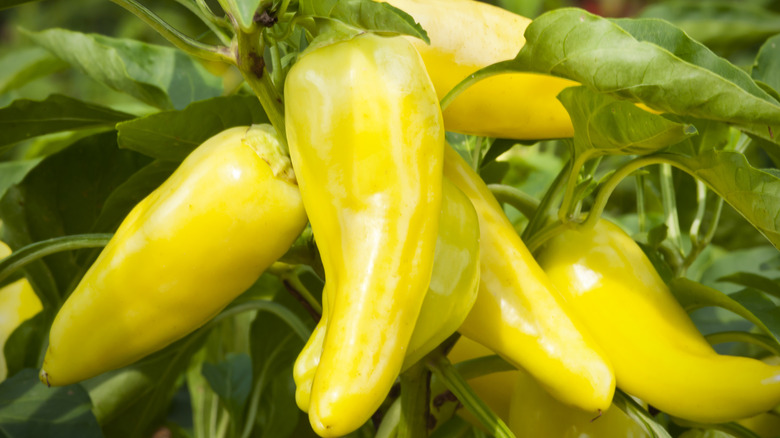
{"points": [[366, 140], [451, 292], [18, 303], [467, 35], [520, 315], [658, 354], [181, 255], [534, 413]]}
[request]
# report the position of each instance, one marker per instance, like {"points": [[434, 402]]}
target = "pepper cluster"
{"points": [[414, 247]]}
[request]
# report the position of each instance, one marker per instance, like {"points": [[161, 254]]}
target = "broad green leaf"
{"points": [[21, 66], [23, 347], [63, 195], [159, 76], [604, 125], [30, 409], [25, 119], [749, 304], [172, 135], [6, 4], [11, 172], [766, 67], [231, 380], [755, 281], [134, 400], [131, 192], [753, 193], [365, 14], [636, 412], [718, 24], [645, 60], [278, 415]]}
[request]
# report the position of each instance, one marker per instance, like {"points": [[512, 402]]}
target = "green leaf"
{"points": [[766, 67], [719, 24], [278, 415], [6, 4], [604, 125], [636, 412], [22, 66], [133, 400], [159, 76], [366, 15], [11, 172], [172, 135], [644, 60], [63, 196], [755, 281], [23, 347], [25, 119], [30, 409], [131, 192], [231, 380], [749, 304], [753, 193]]}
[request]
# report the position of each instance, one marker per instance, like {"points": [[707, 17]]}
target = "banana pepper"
{"points": [[18, 303], [467, 35], [520, 315], [658, 354], [182, 254], [450, 295], [366, 139]]}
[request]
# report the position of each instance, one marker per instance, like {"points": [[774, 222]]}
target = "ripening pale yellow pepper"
{"points": [[467, 35], [18, 303], [520, 315], [451, 292], [182, 254], [366, 139], [658, 354]]}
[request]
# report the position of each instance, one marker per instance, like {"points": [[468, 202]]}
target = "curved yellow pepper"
{"points": [[534, 413], [181, 255], [366, 139], [467, 35], [520, 315], [658, 354], [450, 295], [18, 303]]}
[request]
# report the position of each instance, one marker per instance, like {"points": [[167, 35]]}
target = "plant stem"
{"points": [[207, 18], [552, 230], [178, 39], [546, 206], [444, 371], [415, 393], [472, 79], [525, 203], [37, 250], [571, 186], [640, 202], [250, 63], [670, 205]]}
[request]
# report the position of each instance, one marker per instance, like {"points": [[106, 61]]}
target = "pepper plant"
{"points": [[611, 173]]}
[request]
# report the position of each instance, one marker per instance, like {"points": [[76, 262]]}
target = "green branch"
{"points": [[178, 39]]}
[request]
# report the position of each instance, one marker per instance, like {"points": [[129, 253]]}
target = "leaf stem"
{"points": [[492, 70], [571, 187], [37, 250], [178, 39], [207, 18], [415, 394], [670, 206], [446, 372], [640, 202], [546, 206], [552, 230], [252, 66], [525, 203]]}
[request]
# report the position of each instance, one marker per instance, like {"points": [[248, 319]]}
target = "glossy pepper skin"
{"points": [[180, 256], [18, 303], [520, 315], [450, 295], [658, 354], [366, 139], [534, 413], [467, 35]]}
